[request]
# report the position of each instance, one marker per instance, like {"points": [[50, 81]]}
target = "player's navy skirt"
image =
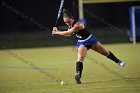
{"points": [[88, 42]]}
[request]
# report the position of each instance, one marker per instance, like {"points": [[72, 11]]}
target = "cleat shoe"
{"points": [[121, 63], [77, 78]]}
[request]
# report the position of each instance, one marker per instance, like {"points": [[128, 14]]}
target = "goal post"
{"points": [[134, 24]]}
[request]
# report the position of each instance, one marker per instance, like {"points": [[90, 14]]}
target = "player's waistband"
{"points": [[85, 39]]}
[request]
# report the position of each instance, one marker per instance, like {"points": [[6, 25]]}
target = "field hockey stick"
{"points": [[59, 12]]}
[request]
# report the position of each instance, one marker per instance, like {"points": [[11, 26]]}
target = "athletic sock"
{"points": [[79, 67], [113, 57]]}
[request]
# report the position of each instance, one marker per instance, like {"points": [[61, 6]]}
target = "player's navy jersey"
{"points": [[81, 34]]}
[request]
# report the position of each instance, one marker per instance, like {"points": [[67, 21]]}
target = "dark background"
{"points": [[19, 32], [43, 11], [114, 13]]}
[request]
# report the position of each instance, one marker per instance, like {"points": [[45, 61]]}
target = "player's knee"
{"points": [[81, 57], [105, 53]]}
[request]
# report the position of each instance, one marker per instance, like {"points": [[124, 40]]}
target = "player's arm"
{"points": [[77, 26]]}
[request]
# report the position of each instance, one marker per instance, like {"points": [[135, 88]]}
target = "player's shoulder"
{"points": [[78, 23]]}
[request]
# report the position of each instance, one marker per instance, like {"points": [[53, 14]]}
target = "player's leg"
{"points": [[98, 47], [81, 53]]}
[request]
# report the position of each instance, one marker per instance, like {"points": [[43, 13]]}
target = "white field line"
{"points": [[68, 89]]}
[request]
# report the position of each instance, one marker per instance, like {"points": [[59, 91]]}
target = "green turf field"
{"points": [[40, 70]]}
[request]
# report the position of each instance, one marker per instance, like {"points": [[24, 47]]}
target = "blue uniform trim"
{"points": [[92, 40]]}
